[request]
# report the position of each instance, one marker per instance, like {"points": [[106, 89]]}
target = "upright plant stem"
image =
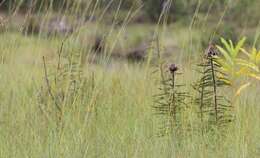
{"points": [[49, 86], [173, 107], [202, 99], [214, 88]]}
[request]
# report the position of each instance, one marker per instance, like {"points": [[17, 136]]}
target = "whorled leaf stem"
{"points": [[213, 106], [170, 101]]}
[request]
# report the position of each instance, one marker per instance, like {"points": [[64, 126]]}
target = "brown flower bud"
{"points": [[173, 68]]}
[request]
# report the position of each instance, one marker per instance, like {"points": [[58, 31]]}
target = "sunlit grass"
{"points": [[115, 117]]}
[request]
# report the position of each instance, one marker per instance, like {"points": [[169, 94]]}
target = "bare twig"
{"points": [[59, 59], [48, 85], [59, 54]]}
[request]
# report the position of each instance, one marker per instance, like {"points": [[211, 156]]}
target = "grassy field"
{"points": [[111, 115], [58, 98]]}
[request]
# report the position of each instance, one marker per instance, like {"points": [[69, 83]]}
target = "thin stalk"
{"points": [[214, 88], [48, 85], [173, 113], [201, 99]]}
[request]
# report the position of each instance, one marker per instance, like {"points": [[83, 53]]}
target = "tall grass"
{"points": [[110, 115]]}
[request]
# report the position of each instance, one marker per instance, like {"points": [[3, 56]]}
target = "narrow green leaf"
{"points": [[239, 46], [227, 46], [226, 55]]}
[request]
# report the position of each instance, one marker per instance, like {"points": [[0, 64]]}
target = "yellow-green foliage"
{"points": [[239, 63]]}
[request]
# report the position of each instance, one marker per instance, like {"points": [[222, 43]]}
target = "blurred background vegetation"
{"points": [[180, 9], [234, 18]]}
